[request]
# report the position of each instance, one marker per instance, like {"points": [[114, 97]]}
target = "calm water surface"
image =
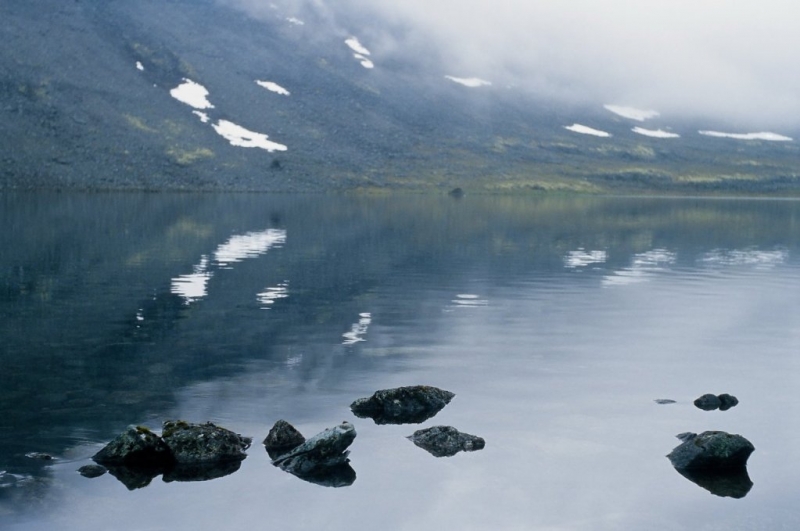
{"points": [[556, 321]]}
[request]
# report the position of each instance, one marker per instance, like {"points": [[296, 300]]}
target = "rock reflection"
{"points": [[727, 483]]}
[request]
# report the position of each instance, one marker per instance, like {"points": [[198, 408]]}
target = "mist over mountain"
{"points": [[307, 95]]}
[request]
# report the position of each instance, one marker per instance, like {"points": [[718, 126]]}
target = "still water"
{"points": [[556, 321]]}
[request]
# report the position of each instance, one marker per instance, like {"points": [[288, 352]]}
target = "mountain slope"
{"points": [[87, 95]]}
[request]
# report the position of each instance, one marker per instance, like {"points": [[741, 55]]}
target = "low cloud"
{"points": [[713, 59]]}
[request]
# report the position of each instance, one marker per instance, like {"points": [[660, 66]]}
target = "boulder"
{"points": [[727, 401], [203, 443], [282, 438], [137, 445], [446, 441], [319, 453], [711, 450], [92, 471], [708, 402], [402, 405]]}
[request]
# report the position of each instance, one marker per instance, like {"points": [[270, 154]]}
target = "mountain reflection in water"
{"points": [[557, 321]]}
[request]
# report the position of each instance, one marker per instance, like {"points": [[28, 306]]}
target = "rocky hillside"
{"points": [[197, 95]]}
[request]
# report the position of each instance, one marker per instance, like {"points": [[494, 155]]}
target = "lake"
{"points": [[558, 322]]}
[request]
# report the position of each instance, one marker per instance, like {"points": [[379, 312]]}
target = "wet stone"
{"points": [[446, 441], [282, 438], [137, 445], [321, 454], [92, 471], [402, 405], [711, 450], [708, 402], [203, 443]]}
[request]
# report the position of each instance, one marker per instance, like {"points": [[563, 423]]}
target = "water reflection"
{"points": [[102, 332], [726, 483]]}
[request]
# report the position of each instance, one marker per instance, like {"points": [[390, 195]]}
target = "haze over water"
{"points": [[556, 321]]}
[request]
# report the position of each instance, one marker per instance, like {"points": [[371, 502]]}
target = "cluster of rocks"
{"points": [[197, 452], [709, 402], [714, 460], [414, 405], [183, 452]]}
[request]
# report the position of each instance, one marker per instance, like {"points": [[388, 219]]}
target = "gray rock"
{"points": [[664, 401], [92, 471], [137, 445], [446, 441], [319, 453], [282, 438], [708, 402], [711, 450], [727, 401], [203, 443], [402, 405]]}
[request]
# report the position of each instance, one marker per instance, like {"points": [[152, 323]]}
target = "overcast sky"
{"points": [[734, 60]]}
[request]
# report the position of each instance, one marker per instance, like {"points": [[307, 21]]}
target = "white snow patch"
{"points": [[632, 113], [655, 133], [584, 130], [191, 93], [239, 136], [139, 66], [295, 21], [366, 63], [273, 87], [203, 116], [773, 137], [356, 46], [472, 82]]}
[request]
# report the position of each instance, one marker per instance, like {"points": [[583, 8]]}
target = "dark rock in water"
{"points": [[201, 471], [135, 446], [708, 402], [317, 455], [39, 456], [402, 405], [711, 450], [729, 482], [727, 401], [92, 471], [203, 443], [446, 441], [664, 401], [282, 438]]}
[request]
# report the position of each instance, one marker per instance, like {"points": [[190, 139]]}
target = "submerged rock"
{"points": [[203, 443], [402, 405], [318, 455], [446, 441], [92, 471], [711, 450], [183, 452], [282, 438], [664, 401], [137, 445], [709, 402]]}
